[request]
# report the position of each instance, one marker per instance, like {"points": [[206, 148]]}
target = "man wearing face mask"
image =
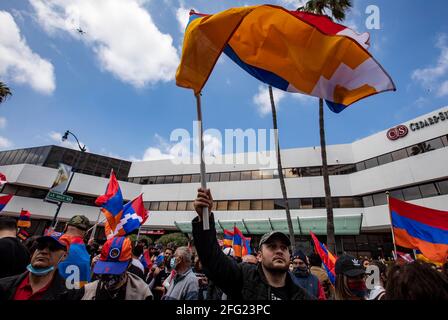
{"points": [[303, 276], [182, 283], [115, 282], [350, 279], [41, 281]]}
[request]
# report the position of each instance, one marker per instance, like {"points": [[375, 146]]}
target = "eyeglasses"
{"points": [[50, 245]]}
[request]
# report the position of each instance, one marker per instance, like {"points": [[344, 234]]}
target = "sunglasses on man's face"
{"points": [[50, 245]]}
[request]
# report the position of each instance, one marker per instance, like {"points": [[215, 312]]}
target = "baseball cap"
{"points": [[115, 256], [267, 237], [80, 222], [349, 266], [53, 236]]}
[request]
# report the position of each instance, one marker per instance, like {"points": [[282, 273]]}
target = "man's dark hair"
{"points": [[7, 223], [416, 281], [315, 260], [137, 250]]}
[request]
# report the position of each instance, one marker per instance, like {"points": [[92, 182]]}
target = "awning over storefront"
{"points": [[343, 225]]}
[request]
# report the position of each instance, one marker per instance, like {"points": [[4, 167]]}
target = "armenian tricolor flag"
{"points": [[4, 201], [292, 51], [237, 242], [420, 228], [24, 219], [228, 238], [133, 216], [111, 202], [246, 246], [23, 234], [328, 260]]}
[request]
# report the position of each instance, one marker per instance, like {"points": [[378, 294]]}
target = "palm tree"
{"points": [[4, 92], [338, 9], [280, 171]]}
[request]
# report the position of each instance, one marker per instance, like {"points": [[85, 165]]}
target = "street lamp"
{"points": [[74, 168], [65, 137]]}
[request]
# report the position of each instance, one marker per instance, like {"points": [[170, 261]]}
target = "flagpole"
{"points": [[391, 226], [92, 236], [95, 225], [205, 213], [138, 234]]}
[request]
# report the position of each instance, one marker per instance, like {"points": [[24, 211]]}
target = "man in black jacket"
{"points": [[42, 280], [269, 280]]}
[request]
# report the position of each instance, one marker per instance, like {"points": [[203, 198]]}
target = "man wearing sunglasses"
{"points": [[41, 281]]}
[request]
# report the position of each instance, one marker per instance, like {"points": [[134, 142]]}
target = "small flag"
{"points": [[328, 260], [4, 201], [3, 180], [237, 242], [228, 239], [23, 234], [246, 246], [24, 219], [421, 228], [111, 202], [133, 216]]}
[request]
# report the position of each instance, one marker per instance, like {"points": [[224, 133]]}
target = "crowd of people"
{"points": [[62, 266]]}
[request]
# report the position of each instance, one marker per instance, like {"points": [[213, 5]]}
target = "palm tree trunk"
{"points": [[331, 243], [280, 171]]}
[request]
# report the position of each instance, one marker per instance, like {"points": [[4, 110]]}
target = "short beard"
{"points": [[276, 271]]}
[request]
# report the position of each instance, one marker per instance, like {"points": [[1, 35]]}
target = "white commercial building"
{"points": [[409, 160]]}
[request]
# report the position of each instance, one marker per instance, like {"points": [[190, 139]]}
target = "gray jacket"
{"points": [[183, 287]]}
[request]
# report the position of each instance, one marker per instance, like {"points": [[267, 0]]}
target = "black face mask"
{"points": [[110, 281], [302, 271]]}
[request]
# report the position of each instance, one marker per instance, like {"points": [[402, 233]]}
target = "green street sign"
{"points": [[54, 196]]}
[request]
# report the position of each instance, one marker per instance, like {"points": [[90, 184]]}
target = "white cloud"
{"points": [[443, 89], [262, 99], [18, 63], [5, 143], [122, 34], [57, 137], [164, 149], [430, 77], [182, 16], [2, 122]]}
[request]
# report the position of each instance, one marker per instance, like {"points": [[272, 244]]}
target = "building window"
{"points": [[186, 178], [428, 190], [172, 205], [399, 154], [225, 176], [144, 180], [244, 205], [367, 201], [306, 203], [443, 187], [397, 194], [435, 144], [346, 202], [233, 205], [195, 178], [360, 166], [318, 202], [177, 179], [246, 175], [163, 205], [268, 204], [214, 177], [412, 193], [256, 205], [182, 206], [371, 163], [267, 174], [160, 179], [169, 179], [279, 204], [154, 206], [190, 206], [235, 176], [379, 199], [294, 203], [445, 141], [385, 158], [256, 175], [222, 205]]}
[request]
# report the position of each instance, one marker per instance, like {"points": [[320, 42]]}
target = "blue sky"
{"points": [[114, 86]]}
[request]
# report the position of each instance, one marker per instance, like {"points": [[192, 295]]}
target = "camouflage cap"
{"points": [[80, 222]]}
